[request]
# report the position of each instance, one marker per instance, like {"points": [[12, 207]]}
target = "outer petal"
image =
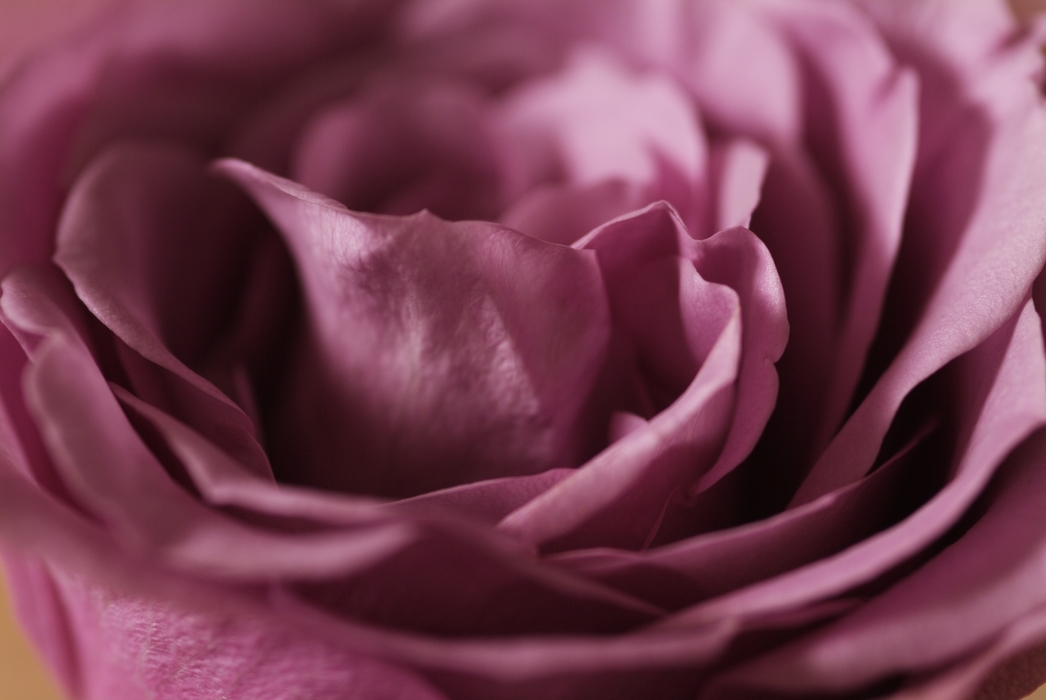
{"points": [[129, 649], [1009, 667], [112, 475], [862, 128], [63, 105], [955, 605], [474, 669], [682, 573], [969, 259], [991, 426]]}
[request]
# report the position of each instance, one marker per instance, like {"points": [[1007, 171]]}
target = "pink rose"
{"points": [[713, 368]]}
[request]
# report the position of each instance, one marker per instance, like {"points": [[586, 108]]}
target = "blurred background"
{"points": [[25, 25], [22, 677]]}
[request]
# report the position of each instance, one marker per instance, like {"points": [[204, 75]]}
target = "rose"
{"points": [[646, 577], [171, 568], [584, 492], [178, 566]]}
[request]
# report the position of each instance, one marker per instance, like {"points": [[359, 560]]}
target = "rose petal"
{"points": [[491, 58], [402, 148], [584, 126], [796, 220], [738, 259], [123, 243], [196, 539], [997, 672], [738, 169], [685, 572], [970, 257], [129, 649], [545, 600], [40, 525], [1014, 407], [564, 213], [861, 100], [490, 500], [700, 45], [188, 73], [567, 662], [639, 473], [41, 108], [417, 327], [18, 433], [112, 474], [222, 481], [956, 603], [774, 101], [146, 70]]}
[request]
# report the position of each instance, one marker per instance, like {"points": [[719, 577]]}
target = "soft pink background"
{"points": [[24, 25]]}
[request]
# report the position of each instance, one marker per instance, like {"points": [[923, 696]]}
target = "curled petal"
{"points": [[123, 243], [479, 343]]}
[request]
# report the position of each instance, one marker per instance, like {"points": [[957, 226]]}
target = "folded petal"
{"points": [[990, 423], [955, 605], [860, 98], [680, 574], [436, 353], [688, 332], [973, 234], [155, 249], [113, 475]]}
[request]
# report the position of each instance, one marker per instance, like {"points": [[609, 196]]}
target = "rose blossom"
{"points": [[527, 349]]}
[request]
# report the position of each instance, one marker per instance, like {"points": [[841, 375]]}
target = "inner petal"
{"points": [[434, 353], [400, 149], [595, 122]]}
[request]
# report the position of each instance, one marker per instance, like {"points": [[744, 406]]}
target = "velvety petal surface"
{"points": [[114, 476], [479, 343]]}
